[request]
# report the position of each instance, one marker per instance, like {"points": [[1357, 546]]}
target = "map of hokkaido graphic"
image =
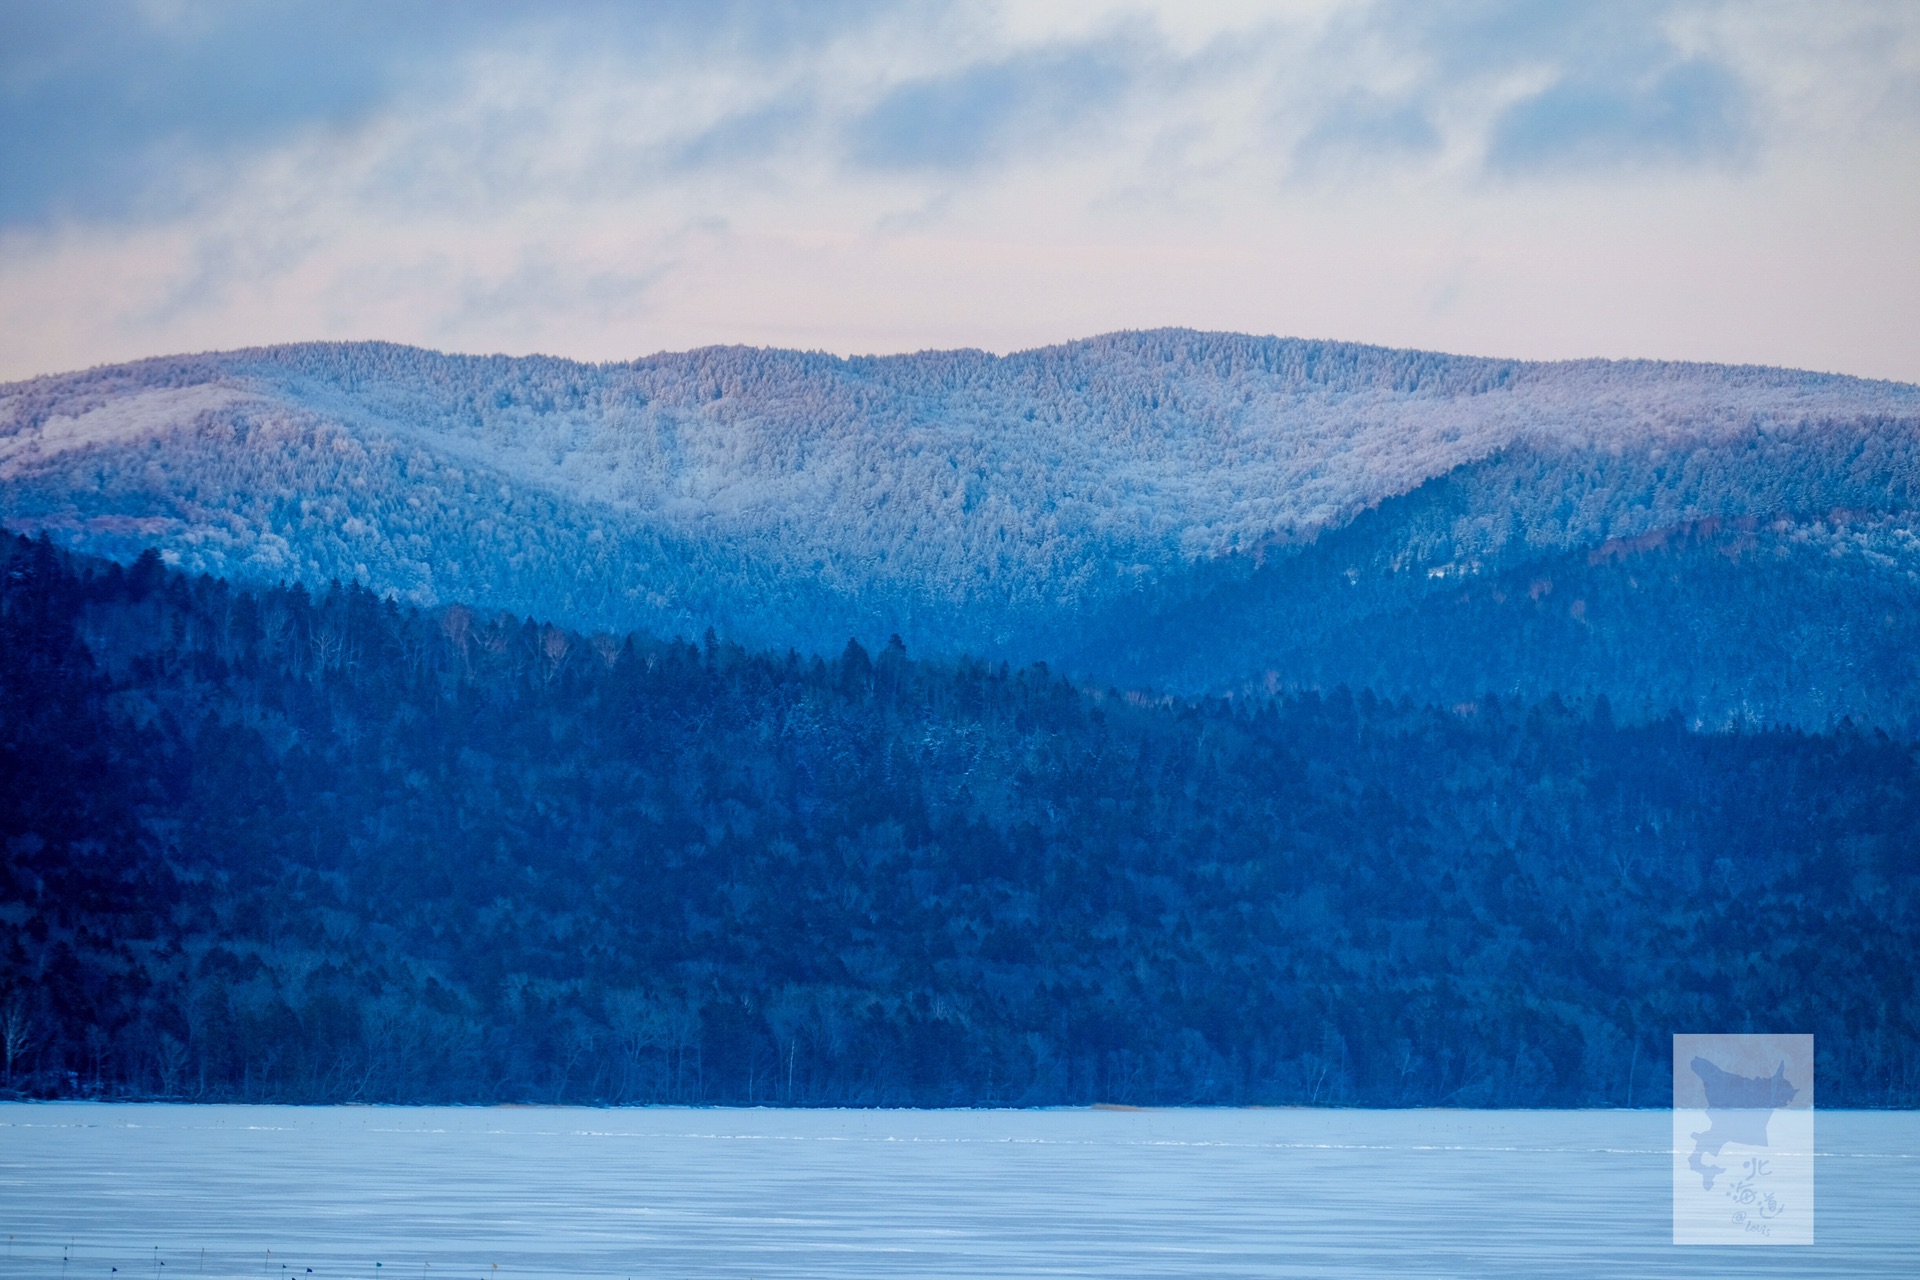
{"points": [[1738, 1110], [1743, 1139]]}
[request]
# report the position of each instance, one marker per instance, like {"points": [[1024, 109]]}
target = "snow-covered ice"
{"points": [[550, 1192]]}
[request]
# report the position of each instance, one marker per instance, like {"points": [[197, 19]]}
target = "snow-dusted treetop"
{"points": [[932, 482]]}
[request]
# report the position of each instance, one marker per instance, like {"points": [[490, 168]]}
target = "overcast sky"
{"points": [[1736, 182]]}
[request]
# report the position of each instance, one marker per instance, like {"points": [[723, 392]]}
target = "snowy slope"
{"points": [[963, 499]]}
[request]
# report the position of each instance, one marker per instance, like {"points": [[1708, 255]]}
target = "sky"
{"points": [[1704, 181]]}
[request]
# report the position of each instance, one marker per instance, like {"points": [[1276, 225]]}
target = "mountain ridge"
{"points": [[1647, 363], [1002, 505]]}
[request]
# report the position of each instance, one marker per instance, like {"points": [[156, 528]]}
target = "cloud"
{"points": [[1690, 112], [100, 99], [1366, 125], [752, 134], [1547, 88], [104, 103], [116, 109], [602, 179], [979, 113], [1465, 39]]}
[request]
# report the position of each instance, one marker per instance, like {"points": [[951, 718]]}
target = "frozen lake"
{"points": [[375, 1192]]}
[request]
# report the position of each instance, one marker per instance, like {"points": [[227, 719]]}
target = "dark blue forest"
{"points": [[274, 845]]}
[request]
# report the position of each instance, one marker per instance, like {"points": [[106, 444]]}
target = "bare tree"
{"points": [[328, 648], [636, 1027], [16, 1035], [576, 1048], [554, 648], [171, 1060], [606, 648], [789, 1015], [643, 1024], [457, 625]]}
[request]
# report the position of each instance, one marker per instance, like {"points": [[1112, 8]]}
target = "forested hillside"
{"points": [[1014, 507], [1748, 621], [282, 844]]}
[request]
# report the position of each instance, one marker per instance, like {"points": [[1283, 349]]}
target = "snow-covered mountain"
{"points": [[1195, 510]]}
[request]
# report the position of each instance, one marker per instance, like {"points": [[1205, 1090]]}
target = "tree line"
{"points": [[273, 844]]}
